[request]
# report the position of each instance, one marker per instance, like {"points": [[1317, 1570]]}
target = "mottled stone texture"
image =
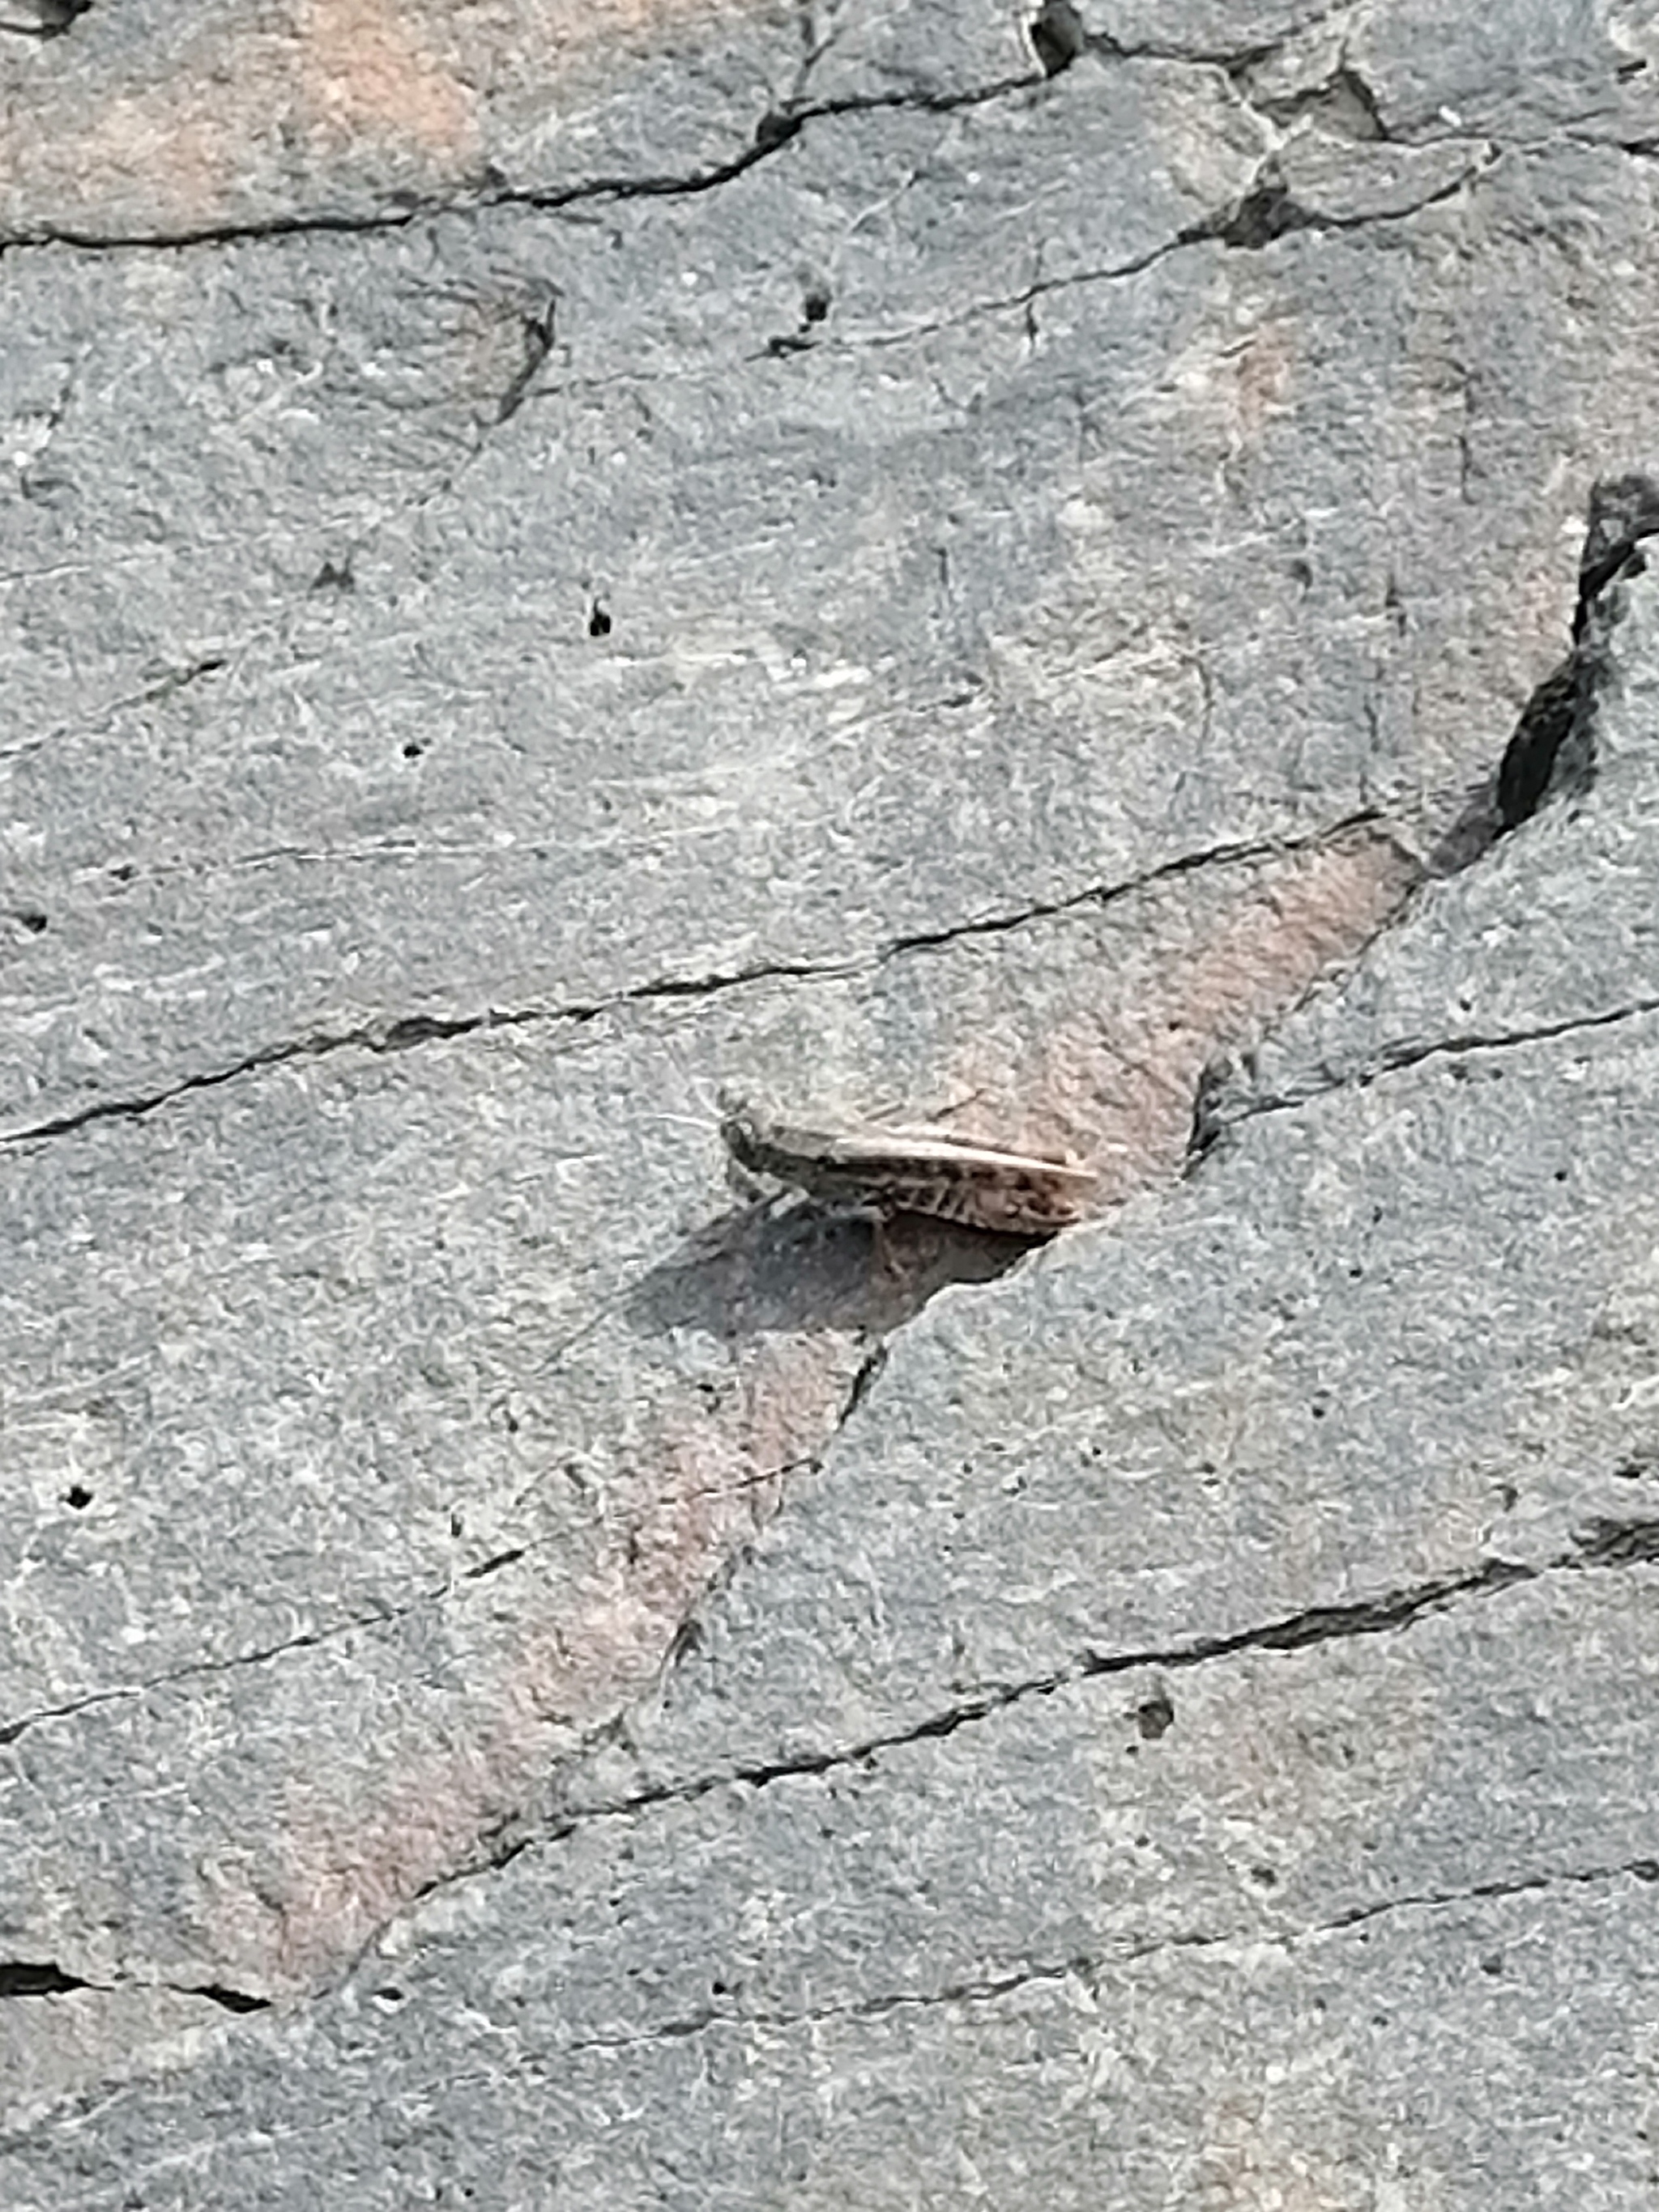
{"points": [[971, 562]]}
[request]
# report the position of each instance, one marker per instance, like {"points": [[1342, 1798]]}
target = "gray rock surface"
{"points": [[556, 564]]}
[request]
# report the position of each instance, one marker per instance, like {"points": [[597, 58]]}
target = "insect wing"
{"points": [[916, 1171], [979, 1185]]}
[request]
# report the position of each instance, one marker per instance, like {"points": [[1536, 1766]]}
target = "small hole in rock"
{"points": [[413, 749], [233, 2000], [33, 920], [1266, 1876], [57, 16], [1057, 36], [815, 306], [1261, 216], [1153, 1715], [598, 620], [774, 129], [78, 1496]]}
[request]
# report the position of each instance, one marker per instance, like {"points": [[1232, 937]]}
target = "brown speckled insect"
{"points": [[915, 1172]]}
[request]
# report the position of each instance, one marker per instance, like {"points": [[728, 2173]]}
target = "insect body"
{"points": [[915, 1172]]}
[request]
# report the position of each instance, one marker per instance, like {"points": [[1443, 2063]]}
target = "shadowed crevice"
{"points": [[1552, 750], [28, 1978], [1553, 747], [46, 1978], [50, 19], [236, 2001], [1058, 37]]}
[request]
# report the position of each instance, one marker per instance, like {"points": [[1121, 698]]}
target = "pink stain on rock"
{"points": [[231, 117], [1115, 1084], [340, 1869], [364, 72], [1320, 909]]}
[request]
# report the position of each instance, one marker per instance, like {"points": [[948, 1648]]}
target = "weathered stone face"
{"points": [[557, 564]]}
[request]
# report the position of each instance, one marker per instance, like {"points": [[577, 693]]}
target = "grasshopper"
{"points": [[920, 1171]]}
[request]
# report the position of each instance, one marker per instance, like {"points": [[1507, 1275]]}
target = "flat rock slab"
{"points": [[893, 563]]}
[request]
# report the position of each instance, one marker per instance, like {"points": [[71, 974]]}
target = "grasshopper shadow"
{"points": [[803, 1268]]}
